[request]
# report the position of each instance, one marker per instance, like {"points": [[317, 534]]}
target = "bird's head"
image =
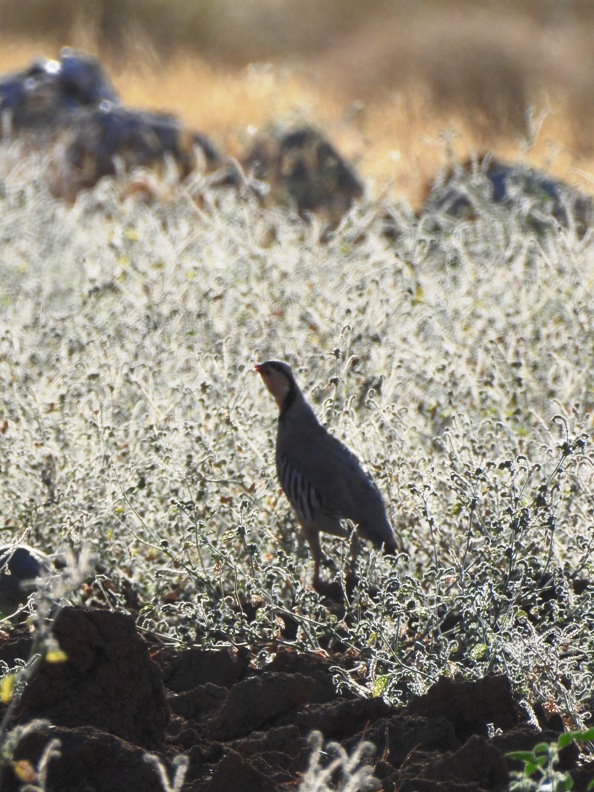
{"points": [[279, 380]]}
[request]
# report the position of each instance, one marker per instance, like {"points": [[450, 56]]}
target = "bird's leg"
{"points": [[354, 547], [312, 536]]}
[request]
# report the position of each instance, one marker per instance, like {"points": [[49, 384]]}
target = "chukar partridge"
{"points": [[322, 479]]}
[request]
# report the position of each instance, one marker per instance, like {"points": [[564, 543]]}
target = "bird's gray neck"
{"points": [[295, 406]]}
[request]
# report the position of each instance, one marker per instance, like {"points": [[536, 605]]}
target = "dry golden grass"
{"points": [[397, 137]]}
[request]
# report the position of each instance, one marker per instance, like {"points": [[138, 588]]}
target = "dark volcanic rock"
{"points": [[22, 570], [46, 95], [304, 169], [189, 668], [88, 759], [471, 188], [92, 720], [470, 705], [108, 681], [111, 140]]}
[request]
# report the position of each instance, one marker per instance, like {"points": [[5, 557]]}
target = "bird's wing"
{"points": [[334, 472]]}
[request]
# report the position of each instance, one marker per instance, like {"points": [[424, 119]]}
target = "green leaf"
{"points": [[541, 748], [478, 652], [588, 734], [521, 756], [566, 739]]}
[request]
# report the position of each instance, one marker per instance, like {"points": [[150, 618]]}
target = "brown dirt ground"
{"points": [[120, 696]]}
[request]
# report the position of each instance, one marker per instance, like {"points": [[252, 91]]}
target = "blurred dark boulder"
{"points": [[469, 190], [48, 94], [303, 169], [112, 140], [70, 109]]}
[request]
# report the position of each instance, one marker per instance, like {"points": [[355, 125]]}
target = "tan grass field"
{"points": [[397, 132]]}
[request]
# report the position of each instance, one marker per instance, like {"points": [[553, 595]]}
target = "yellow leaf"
{"points": [[6, 687], [380, 684], [56, 656], [24, 771]]}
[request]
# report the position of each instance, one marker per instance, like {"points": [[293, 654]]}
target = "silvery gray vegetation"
{"points": [[454, 355]]}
